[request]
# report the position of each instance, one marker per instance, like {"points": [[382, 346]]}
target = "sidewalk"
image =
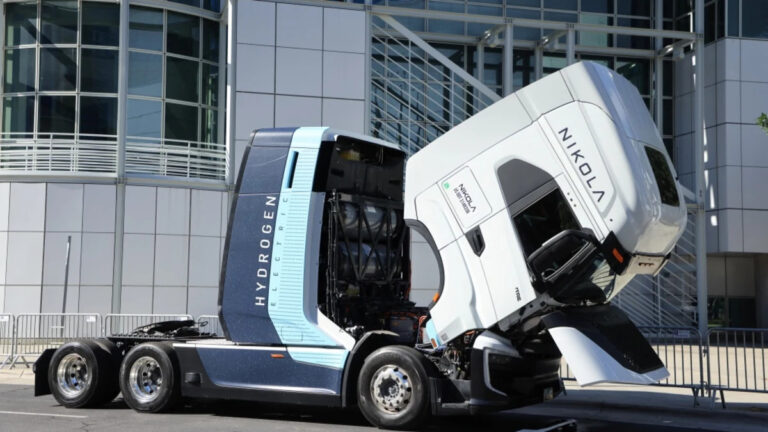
{"points": [[659, 406], [19, 375]]}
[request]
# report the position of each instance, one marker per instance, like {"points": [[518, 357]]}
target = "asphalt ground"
{"points": [[20, 411]]}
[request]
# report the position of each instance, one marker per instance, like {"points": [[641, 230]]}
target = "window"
{"points": [[183, 34], [18, 114], [98, 70], [20, 24], [180, 122], [754, 19], [59, 22], [181, 78], [98, 115], [145, 74], [19, 70], [543, 220], [56, 114], [101, 22], [58, 69], [144, 118], [601, 6], [146, 29], [663, 175]]}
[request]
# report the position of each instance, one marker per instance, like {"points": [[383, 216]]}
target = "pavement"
{"points": [[601, 408]]}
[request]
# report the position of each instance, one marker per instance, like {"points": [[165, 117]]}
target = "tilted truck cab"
{"points": [[539, 209]]}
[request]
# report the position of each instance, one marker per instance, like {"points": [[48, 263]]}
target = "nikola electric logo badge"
{"points": [[465, 196]]}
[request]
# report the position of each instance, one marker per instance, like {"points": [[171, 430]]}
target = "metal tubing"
{"points": [[570, 51], [509, 61], [698, 130]]}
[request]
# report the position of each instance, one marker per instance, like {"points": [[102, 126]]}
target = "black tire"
{"points": [[111, 371], [393, 388], [76, 374], [142, 391]]}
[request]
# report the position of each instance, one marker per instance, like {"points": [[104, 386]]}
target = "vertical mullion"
{"points": [[162, 80], [38, 33], [78, 71]]}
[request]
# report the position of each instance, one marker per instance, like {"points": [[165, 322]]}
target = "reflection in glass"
{"points": [[19, 70], [635, 7], [183, 34], [18, 114], [210, 85], [146, 29], [212, 5], [98, 70], [145, 74], [101, 24], [20, 23], [209, 126], [181, 78], [595, 38], [637, 71], [754, 19], [58, 69], [560, 4], [56, 114], [180, 122], [58, 22], [98, 115], [210, 40], [602, 6], [144, 118]]}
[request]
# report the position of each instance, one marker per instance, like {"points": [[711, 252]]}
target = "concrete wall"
{"points": [[171, 248], [735, 93], [298, 66]]}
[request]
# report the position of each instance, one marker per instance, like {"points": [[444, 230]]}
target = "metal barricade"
{"points": [[680, 349], [210, 324], [6, 339], [123, 324], [34, 333], [737, 359]]}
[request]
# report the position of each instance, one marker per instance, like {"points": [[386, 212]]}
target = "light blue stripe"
{"points": [[286, 299]]}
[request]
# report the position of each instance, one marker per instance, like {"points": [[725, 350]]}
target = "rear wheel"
{"points": [[392, 391], [76, 374], [149, 378]]}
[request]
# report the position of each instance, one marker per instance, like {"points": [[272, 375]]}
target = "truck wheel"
{"points": [[392, 390], [75, 374], [149, 378]]}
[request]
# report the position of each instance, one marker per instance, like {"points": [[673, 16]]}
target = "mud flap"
{"points": [[601, 344], [40, 368]]}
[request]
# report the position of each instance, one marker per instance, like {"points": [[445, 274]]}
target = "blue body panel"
{"points": [[254, 368]]}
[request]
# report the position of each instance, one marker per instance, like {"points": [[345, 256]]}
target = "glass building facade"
{"points": [[63, 69]]}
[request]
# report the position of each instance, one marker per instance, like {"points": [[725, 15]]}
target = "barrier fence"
{"points": [[123, 324], [6, 339], [737, 359], [34, 333], [734, 359]]}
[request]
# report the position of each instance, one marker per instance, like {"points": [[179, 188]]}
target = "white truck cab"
{"points": [[554, 197]]}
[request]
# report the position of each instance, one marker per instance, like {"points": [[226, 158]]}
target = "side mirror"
{"points": [[561, 255]]}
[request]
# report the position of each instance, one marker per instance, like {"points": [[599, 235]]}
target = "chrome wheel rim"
{"points": [[146, 379], [73, 376], [391, 389]]}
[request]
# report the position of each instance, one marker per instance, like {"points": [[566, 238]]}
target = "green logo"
{"points": [[447, 185]]}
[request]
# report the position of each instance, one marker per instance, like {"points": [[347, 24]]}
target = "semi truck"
{"points": [[538, 209]]}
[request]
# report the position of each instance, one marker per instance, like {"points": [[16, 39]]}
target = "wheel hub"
{"points": [[146, 379], [391, 389], [72, 375]]}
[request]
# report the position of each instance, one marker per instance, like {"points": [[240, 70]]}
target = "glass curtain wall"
{"points": [[173, 77], [61, 69]]}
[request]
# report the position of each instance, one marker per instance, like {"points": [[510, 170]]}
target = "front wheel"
{"points": [[392, 390], [149, 378]]}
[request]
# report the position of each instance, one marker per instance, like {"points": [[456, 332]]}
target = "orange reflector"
{"points": [[434, 343], [277, 356], [436, 296], [618, 256]]}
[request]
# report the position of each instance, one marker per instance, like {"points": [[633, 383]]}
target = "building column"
{"points": [[122, 101], [658, 70], [570, 50], [698, 143], [538, 69], [509, 61]]}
